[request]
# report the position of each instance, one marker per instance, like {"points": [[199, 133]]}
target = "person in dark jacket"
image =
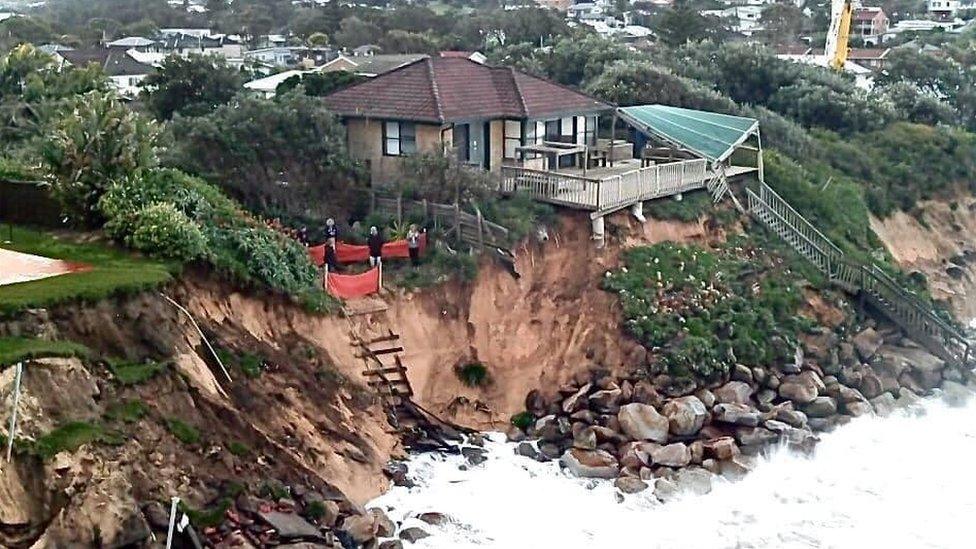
{"points": [[375, 243], [331, 237]]}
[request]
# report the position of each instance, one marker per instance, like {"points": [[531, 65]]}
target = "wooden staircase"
{"points": [[385, 371], [917, 318]]}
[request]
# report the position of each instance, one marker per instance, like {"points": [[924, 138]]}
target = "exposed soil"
{"points": [[938, 242]]}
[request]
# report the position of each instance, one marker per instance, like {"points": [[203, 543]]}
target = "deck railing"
{"points": [[607, 193], [917, 318]]}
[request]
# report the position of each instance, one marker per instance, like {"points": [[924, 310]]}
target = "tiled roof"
{"points": [[866, 13], [114, 61], [868, 53], [443, 89]]}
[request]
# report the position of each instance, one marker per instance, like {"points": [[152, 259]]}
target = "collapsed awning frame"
{"points": [[625, 113]]}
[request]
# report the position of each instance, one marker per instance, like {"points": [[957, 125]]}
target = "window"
{"points": [[513, 138], [399, 138]]}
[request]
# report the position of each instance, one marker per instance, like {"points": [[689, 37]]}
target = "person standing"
{"points": [[413, 244], [375, 243], [331, 238]]}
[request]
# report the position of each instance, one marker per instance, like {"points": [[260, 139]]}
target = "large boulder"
{"points": [[577, 400], [733, 392], [630, 485], [413, 534], [802, 388], [686, 415], [384, 526], [672, 455], [867, 343], [736, 414], [823, 406], [361, 528], [754, 436], [956, 394], [643, 422], [721, 448], [606, 400], [590, 463], [883, 404]]}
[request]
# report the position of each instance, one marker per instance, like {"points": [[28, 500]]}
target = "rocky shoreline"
{"points": [[666, 434]]}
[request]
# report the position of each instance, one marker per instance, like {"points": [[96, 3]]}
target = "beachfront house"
{"points": [[483, 115]]}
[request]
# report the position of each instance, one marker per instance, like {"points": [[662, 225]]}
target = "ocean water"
{"points": [[903, 481]]}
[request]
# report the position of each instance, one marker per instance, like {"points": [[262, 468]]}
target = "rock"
{"points": [[244, 502], [741, 373], [642, 422], [845, 394], [590, 463], [858, 408], [907, 398], [883, 404], [824, 406], [706, 397], [956, 394], [330, 513], [514, 434], [585, 416], [133, 531], [694, 480], [630, 454], [585, 439], [474, 455], [630, 485], [646, 393], [156, 515], [676, 386], [788, 415], [871, 385], [754, 436], [686, 415], [759, 375], [798, 438], [606, 399], [672, 455], [548, 451], [867, 343], [733, 392], [721, 448], [766, 397], [391, 544], [733, 469], [534, 403], [801, 388], [434, 518], [711, 466], [528, 450], [291, 526], [697, 450], [413, 534], [577, 400], [665, 490], [384, 526], [736, 414]]}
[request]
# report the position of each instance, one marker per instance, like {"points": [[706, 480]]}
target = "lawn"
{"points": [[114, 271], [15, 349]]}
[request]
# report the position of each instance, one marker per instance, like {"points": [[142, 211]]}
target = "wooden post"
{"points": [[399, 203], [426, 212], [759, 161], [457, 221], [481, 231], [12, 431]]}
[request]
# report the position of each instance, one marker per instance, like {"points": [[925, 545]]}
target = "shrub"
{"points": [[128, 411], [238, 449], [71, 436], [184, 432], [134, 373], [162, 230], [315, 510], [473, 374], [523, 420]]}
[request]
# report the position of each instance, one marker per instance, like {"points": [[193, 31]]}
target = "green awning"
{"points": [[712, 135]]}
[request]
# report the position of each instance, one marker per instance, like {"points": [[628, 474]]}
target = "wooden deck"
{"points": [[607, 189]]}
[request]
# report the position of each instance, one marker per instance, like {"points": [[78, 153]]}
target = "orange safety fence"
{"points": [[353, 286], [352, 253]]}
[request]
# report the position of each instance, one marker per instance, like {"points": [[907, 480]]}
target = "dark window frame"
{"points": [[401, 138]]}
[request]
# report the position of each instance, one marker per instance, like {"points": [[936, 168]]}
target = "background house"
{"points": [[123, 71], [449, 105], [870, 24]]}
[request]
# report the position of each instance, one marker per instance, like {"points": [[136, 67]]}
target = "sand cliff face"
{"points": [[939, 242]]}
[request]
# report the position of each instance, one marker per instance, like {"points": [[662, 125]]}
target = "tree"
{"points": [[783, 23], [317, 39], [354, 32], [682, 23], [97, 141], [398, 41], [282, 156], [319, 84], [190, 86]]}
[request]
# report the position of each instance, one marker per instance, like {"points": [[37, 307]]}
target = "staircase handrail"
{"points": [[781, 200]]}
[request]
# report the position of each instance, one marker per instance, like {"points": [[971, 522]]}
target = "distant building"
{"points": [[372, 65], [943, 10], [560, 5], [123, 71], [870, 24], [872, 58], [137, 43]]}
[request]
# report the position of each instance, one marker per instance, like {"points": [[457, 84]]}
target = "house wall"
{"points": [[497, 149], [365, 141]]}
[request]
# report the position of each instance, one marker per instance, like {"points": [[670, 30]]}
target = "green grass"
{"points": [[238, 448], [134, 373], [251, 364], [184, 432], [113, 271], [211, 516], [127, 411], [522, 420], [16, 349], [71, 436]]}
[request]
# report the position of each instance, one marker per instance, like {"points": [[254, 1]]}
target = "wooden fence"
{"points": [[469, 228]]}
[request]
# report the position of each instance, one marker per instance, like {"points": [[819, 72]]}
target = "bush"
{"points": [[472, 374], [184, 432], [128, 411], [238, 449], [135, 373], [71, 436], [163, 231], [523, 420]]}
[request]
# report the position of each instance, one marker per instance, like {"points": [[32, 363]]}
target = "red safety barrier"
{"points": [[317, 254], [353, 286], [354, 253]]}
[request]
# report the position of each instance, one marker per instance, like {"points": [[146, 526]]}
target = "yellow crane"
{"points": [[841, 13]]}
